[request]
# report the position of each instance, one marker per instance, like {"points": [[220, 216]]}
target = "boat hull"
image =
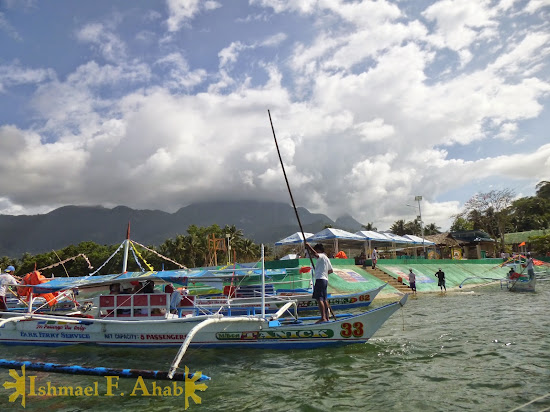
{"points": [[243, 332], [522, 285]]}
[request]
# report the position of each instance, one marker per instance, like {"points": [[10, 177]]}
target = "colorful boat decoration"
{"points": [[248, 300]]}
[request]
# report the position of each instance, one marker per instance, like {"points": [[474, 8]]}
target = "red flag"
{"points": [[522, 244]]}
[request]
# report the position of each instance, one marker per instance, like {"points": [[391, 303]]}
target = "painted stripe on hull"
{"points": [[286, 344]]}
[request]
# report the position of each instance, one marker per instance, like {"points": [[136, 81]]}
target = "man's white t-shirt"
{"points": [[322, 267], [6, 279]]}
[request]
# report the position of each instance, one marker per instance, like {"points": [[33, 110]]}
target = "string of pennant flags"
{"points": [[67, 260], [135, 251], [158, 254]]}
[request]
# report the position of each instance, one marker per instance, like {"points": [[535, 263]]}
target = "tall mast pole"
{"points": [[126, 247]]}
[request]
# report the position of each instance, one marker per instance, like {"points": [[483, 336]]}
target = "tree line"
{"points": [[496, 212], [191, 250]]}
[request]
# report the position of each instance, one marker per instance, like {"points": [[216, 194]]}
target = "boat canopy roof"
{"points": [[180, 277]]}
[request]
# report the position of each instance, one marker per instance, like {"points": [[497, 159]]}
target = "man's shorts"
{"points": [[413, 285], [320, 289]]}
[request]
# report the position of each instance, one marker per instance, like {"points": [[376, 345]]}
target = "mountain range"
{"points": [[262, 222]]}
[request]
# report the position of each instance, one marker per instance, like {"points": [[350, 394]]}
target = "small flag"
{"points": [[522, 244]]}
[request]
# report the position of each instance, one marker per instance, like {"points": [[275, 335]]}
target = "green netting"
{"points": [[291, 280], [289, 263], [438, 262], [455, 274], [347, 277]]}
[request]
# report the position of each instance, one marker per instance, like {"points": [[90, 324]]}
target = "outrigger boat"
{"points": [[517, 279], [144, 320]]}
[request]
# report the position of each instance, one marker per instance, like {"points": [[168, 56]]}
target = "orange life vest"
{"points": [[35, 278]]}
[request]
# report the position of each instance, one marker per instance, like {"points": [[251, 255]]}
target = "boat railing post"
{"points": [[263, 281], [31, 299]]}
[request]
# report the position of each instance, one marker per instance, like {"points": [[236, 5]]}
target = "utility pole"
{"points": [[418, 199], [228, 237]]}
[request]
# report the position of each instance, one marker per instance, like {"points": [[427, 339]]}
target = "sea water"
{"points": [[484, 349]]}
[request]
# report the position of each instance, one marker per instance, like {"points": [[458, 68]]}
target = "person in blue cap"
{"points": [[6, 279]]}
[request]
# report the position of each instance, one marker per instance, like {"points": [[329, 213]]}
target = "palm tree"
{"points": [[175, 249], [432, 229], [233, 232], [413, 228], [398, 227], [247, 250], [369, 226]]}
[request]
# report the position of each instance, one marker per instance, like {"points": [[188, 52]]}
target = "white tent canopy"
{"points": [[294, 239], [397, 239], [419, 240], [371, 238], [331, 233], [334, 234], [370, 235]]}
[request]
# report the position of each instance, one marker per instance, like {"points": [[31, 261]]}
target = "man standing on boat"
{"points": [[323, 268], [441, 279], [6, 279]]}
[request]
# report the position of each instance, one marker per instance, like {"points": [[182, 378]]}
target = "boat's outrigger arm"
{"points": [[40, 317], [219, 319], [478, 277]]}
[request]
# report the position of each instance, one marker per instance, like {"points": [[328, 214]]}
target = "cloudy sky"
{"points": [[158, 104]]}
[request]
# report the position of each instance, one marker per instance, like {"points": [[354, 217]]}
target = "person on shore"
{"points": [[374, 257], [323, 268], [441, 279], [6, 279], [530, 266], [412, 281]]}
